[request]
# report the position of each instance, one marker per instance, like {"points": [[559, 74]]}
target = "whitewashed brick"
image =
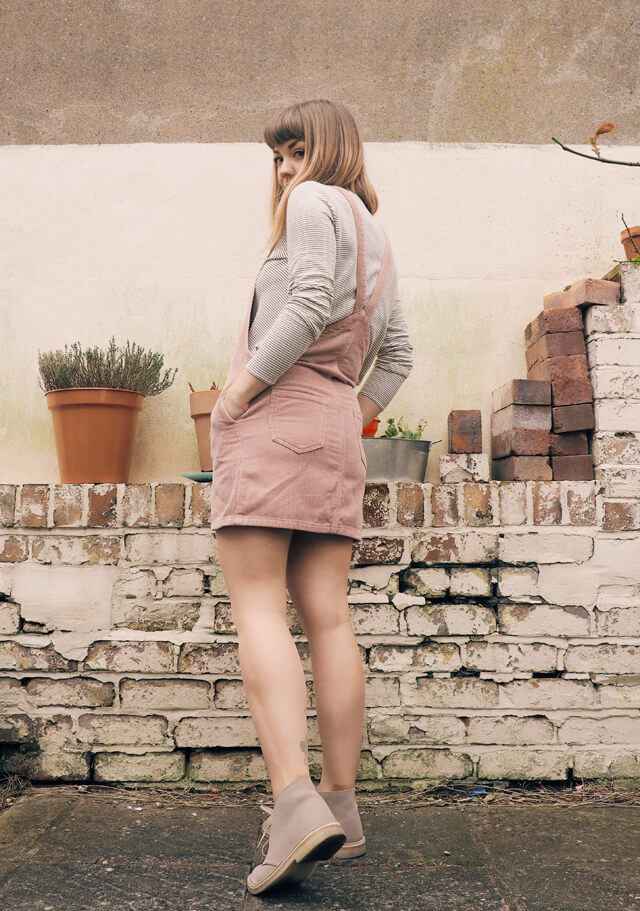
{"points": [[617, 729], [151, 657], [614, 597], [366, 597], [614, 318], [402, 600], [9, 618], [623, 351], [537, 547], [615, 414], [381, 691], [441, 656], [512, 499], [381, 619], [432, 583], [524, 764], [543, 620], [616, 382], [621, 448], [169, 548], [518, 582], [623, 692], [373, 578], [450, 620], [454, 693], [467, 466], [620, 480], [135, 585], [123, 730], [216, 732], [545, 694], [145, 767], [410, 728], [506, 657], [155, 614], [65, 597], [618, 622], [606, 658], [6, 580], [184, 583], [149, 695], [611, 763], [234, 765], [512, 729], [629, 283], [470, 582], [455, 547], [76, 550], [425, 763], [53, 765]]}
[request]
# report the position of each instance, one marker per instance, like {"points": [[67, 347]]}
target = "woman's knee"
{"points": [[318, 578], [253, 560]]}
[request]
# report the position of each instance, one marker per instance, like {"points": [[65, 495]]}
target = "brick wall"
{"points": [[498, 623]]}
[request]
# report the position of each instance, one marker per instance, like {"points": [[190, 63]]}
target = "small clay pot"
{"points": [[626, 238], [371, 429], [201, 404]]}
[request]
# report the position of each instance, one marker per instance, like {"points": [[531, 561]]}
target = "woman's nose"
{"points": [[286, 168]]}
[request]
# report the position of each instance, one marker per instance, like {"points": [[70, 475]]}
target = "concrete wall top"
{"points": [[187, 71]]}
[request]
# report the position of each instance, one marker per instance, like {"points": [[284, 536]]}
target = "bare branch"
{"points": [[631, 164]]}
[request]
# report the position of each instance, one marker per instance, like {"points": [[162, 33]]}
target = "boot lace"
{"points": [[266, 830]]}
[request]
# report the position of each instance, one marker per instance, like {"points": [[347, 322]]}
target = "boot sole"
{"points": [[353, 849], [320, 844]]}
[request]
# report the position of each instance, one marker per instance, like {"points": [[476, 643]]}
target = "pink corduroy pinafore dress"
{"points": [[295, 458]]}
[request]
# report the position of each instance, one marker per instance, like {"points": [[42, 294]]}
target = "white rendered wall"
{"points": [[159, 243]]}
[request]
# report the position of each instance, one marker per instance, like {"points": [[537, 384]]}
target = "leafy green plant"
{"points": [[130, 368], [401, 429]]}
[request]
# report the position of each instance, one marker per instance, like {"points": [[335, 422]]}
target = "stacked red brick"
{"points": [[539, 426], [520, 431], [556, 354]]}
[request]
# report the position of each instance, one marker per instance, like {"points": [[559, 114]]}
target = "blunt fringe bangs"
{"points": [[333, 154]]}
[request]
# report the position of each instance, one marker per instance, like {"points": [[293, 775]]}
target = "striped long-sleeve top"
{"points": [[309, 281]]}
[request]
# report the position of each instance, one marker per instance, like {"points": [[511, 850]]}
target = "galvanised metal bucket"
{"points": [[396, 459]]}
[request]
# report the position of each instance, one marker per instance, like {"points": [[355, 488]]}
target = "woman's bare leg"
{"points": [[317, 579], [253, 562]]}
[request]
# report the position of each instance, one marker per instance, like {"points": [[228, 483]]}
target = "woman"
{"points": [[289, 473]]}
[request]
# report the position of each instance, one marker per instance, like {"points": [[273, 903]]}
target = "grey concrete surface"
{"points": [[91, 851], [116, 71]]}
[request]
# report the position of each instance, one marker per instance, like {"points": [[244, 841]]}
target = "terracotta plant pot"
{"points": [[626, 238], [94, 430], [201, 404], [371, 429]]}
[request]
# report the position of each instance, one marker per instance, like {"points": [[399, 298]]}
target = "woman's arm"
{"points": [[393, 362], [311, 255]]}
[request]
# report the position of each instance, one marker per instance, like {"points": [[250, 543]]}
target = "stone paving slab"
{"points": [[61, 851]]}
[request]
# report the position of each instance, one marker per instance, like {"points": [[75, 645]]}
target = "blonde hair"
{"points": [[333, 154]]}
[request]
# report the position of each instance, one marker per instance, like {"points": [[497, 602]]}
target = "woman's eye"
{"points": [[301, 151]]}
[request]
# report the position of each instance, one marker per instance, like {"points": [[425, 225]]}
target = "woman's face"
{"points": [[289, 158]]}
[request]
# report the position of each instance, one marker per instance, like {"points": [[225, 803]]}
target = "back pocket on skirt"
{"points": [[298, 420]]}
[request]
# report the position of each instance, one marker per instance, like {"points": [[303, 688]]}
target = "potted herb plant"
{"points": [[398, 454], [94, 397], [201, 403]]}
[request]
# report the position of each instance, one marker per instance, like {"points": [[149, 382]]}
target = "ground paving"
{"points": [[70, 848]]}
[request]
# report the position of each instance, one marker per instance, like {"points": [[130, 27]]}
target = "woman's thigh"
{"points": [[253, 562], [317, 578]]}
